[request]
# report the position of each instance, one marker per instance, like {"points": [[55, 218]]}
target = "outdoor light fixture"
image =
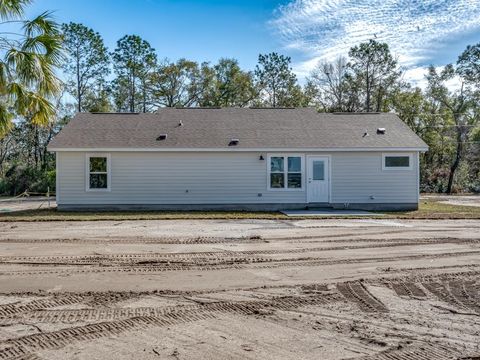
{"points": [[261, 158]]}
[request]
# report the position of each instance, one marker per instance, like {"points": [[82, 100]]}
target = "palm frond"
{"points": [[50, 84], [42, 24], [31, 104], [34, 70], [41, 110], [11, 9], [48, 45], [6, 122], [4, 76], [27, 69], [17, 95], [26, 66]]}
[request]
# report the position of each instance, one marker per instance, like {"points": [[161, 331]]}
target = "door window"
{"points": [[318, 170]]}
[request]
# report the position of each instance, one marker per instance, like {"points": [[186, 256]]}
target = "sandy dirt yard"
{"points": [[310, 289], [462, 200]]}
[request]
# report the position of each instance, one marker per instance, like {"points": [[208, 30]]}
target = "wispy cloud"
{"points": [[416, 30]]}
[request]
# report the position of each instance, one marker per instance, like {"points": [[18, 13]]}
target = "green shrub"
{"points": [[21, 178], [434, 180]]}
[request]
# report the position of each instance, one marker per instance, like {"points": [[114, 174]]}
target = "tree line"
{"points": [[132, 77]]}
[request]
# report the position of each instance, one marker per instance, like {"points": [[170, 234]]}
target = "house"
{"points": [[237, 158]]}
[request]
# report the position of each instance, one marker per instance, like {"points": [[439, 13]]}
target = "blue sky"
{"points": [[198, 30], [419, 32]]}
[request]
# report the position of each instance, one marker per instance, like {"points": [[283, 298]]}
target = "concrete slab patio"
{"points": [[328, 212]]}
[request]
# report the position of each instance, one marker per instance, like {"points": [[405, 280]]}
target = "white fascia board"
{"points": [[421, 149]]}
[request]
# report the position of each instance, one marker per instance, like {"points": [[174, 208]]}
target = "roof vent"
{"points": [[180, 123], [233, 142], [162, 137], [381, 131]]}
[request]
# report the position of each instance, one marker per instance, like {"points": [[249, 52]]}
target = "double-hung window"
{"points": [[285, 172], [98, 172], [396, 162]]}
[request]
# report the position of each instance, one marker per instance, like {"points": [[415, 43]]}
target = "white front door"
{"points": [[318, 178]]}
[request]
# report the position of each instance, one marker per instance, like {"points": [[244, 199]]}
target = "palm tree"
{"points": [[28, 59]]}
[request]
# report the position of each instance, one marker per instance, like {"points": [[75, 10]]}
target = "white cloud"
{"points": [[415, 30], [416, 76]]}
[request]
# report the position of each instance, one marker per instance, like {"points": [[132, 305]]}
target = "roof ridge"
{"points": [[110, 113], [357, 113]]}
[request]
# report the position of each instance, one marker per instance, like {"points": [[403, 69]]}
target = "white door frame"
{"points": [[329, 177]]}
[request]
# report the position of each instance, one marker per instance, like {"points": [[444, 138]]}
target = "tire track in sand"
{"points": [[195, 264], [13, 348], [129, 257]]}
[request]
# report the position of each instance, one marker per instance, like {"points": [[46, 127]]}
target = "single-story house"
{"points": [[237, 158]]}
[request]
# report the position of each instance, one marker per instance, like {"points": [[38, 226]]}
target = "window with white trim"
{"points": [[285, 172], [396, 161], [98, 172]]}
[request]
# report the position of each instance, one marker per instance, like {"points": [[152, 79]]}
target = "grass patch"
{"points": [[54, 215], [435, 209], [428, 209]]}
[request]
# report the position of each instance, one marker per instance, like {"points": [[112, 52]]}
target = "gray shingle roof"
{"points": [[255, 128]]}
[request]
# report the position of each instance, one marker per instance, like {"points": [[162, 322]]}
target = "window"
{"points": [[98, 172], [285, 172], [318, 170], [396, 162], [277, 172]]}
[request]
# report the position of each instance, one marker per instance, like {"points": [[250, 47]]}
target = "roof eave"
{"points": [[331, 149]]}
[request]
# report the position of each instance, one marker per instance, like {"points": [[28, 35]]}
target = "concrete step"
{"points": [[319, 206]]}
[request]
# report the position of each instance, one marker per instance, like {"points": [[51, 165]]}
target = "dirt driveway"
{"points": [[11, 204], [250, 289]]}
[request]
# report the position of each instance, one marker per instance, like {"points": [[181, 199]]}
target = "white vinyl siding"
{"points": [[173, 178], [357, 177], [228, 178]]}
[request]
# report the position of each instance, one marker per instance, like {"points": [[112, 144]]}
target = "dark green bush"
{"points": [[21, 178]]}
